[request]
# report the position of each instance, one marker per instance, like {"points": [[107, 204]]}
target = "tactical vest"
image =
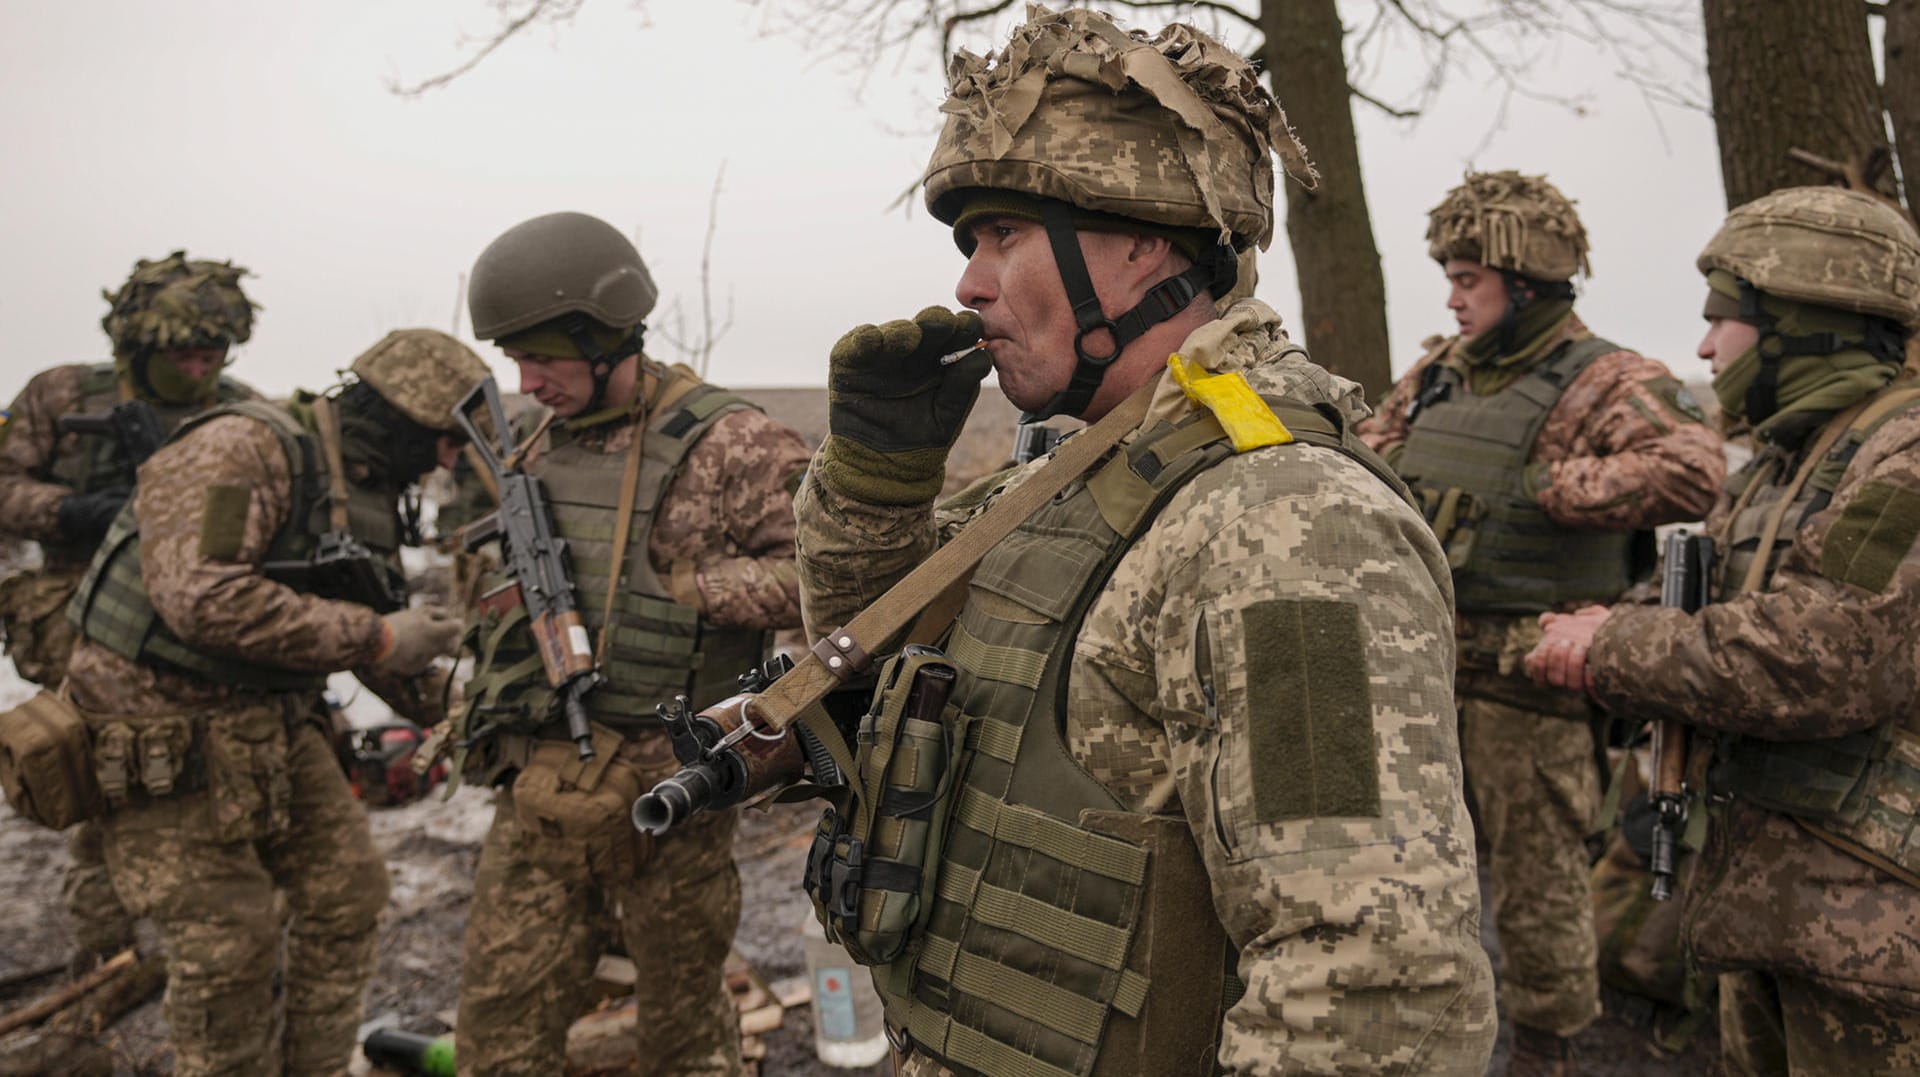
{"points": [[1466, 458], [112, 609], [1067, 934], [100, 462], [1859, 790], [657, 648]]}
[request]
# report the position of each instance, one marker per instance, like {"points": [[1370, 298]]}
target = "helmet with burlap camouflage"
{"points": [[558, 264], [1174, 129], [1827, 246], [1508, 221], [174, 303], [423, 373]]}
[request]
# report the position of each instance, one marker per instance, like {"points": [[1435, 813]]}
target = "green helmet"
{"points": [[1827, 246], [1508, 221], [172, 305], [423, 373], [1082, 125], [552, 266]]}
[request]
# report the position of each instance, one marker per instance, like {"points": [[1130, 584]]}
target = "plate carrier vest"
{"points": [[112, 608], [657, 648], [1067, 934], [1466, 459]]}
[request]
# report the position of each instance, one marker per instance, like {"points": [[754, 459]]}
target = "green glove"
{"points": [[894, 409], [414, 638]]}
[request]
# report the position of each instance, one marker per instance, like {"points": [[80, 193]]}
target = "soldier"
{"points": [[1253, 682], [171, 325], [1800, 678], [699, 482], [256, 557], [1541, 454]]}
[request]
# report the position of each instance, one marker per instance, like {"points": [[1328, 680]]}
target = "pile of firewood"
{"points": [[65, 1031]]}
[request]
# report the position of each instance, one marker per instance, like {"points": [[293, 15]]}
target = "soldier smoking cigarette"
{"points": [[953, 357]]}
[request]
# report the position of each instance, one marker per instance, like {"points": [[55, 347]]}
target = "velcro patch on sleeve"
{"points": [[1676, 398], [1873, 535], [1309, 711], [223, 526]]}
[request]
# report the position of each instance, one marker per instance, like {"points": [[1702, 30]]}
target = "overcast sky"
{"points": [[265, 133]]}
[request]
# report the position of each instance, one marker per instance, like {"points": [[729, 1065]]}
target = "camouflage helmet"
{"points": [[559, 264], [174, 303], [1505, 220], [1176, 129], [1827, 246], [423, 373]]}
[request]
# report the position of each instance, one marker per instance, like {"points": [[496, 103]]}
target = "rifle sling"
{"points": [[671, 390], [328, 425], [844, 651]]}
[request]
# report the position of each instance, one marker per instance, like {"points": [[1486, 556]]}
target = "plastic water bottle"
{"points": [[848, 1029]]}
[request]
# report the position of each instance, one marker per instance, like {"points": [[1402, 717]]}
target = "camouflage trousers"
{"points": [[539, 923], [1774, 1025], [1537, 789], [100, 923], [175, 860]]}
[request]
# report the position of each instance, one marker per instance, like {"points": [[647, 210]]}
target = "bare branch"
{"points": [[552, 10], [963, 16], [1397, 113]]}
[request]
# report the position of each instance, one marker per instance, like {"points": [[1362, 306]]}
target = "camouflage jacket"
{"points": [[30, 446], [724, 536], [1818, 654], [1624, 450], [227, 606], [1358, 936]]}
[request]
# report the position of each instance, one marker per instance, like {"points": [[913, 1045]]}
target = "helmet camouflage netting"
{"points": [[1175, 129], [175, 303], [1509, 221]]}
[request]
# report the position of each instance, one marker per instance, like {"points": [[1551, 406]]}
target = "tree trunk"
{"points": [[1788, 73], [1903, 89], [1343, 298]]}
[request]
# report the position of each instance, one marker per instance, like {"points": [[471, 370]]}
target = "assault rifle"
{"points": [[130, 423], [342, 567], [1683, 586], [536, 559]]}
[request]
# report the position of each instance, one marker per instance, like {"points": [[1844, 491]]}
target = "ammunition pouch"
{"points": [[1857, 792], [575, 813], [867, 872], [33, 618], [144, 757], [45, 765]]}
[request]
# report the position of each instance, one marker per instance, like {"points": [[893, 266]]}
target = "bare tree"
{"points": [[1319, 66], [1799, 74], [1902, 65], [696, 350]]}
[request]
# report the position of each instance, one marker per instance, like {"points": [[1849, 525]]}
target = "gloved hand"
{"points": [[894, 410], [414, 638], [86, 517]]}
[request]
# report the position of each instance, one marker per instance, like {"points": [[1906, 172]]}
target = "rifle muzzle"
{"points": [[672, 801]]}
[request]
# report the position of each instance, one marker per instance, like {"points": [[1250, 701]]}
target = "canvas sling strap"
{"points": [[845, 651], [670, 392], [329, 429]]}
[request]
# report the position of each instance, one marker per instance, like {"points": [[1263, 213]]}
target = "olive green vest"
{"points": [[100, 462], [656, 647], [112, 609], [1068, 934], [1861, 788], [1466, 459]]}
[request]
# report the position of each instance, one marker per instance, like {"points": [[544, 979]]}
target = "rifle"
{"points": [[342, 567], [1684, 584], [130, 423], [535, 556]]}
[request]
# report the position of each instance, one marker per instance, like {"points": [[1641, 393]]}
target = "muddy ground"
{"points": [[432, 847]]}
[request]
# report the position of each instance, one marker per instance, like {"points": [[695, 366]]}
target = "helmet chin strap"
{"points": [[1521, 291], [1162, 301], [600, 362], [1882, 341]]}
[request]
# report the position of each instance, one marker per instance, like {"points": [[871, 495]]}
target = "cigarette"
{"points": [[953, 357]]}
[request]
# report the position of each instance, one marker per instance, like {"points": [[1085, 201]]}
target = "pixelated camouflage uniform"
{"points": [[1622, 449], [276, 815], [39, 468], [1799, 678], [544, 909], [1357, 936]]}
